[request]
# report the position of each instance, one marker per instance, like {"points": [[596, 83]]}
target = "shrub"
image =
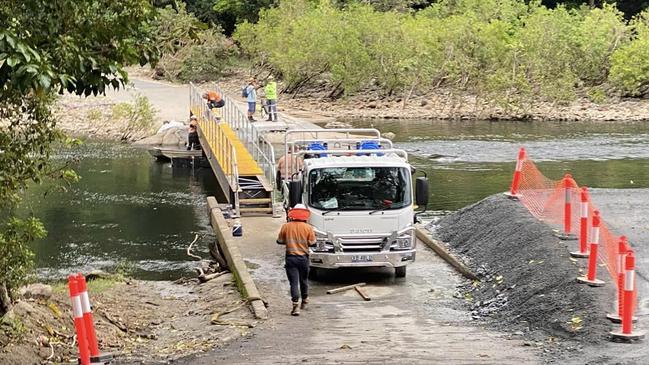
{"points": [[598, 35], [630, 63], [597, 95], [16, 258], [136, 116], [192, 51], [507, 52]]}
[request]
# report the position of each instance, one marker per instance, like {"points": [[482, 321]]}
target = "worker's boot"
{"points": [[296, 309], [305, 301]]}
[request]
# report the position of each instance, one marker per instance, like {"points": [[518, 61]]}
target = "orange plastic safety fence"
{"points": [[550, 200]]}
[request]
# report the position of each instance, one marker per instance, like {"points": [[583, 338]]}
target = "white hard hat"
{"points": [[299, 206]]}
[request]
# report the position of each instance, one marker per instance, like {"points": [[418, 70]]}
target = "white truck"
{"points": [[359, 190]]}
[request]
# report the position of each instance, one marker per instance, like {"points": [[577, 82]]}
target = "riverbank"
{"points": [[136, 321], [103, 117], [93, 116], [315, 103]]}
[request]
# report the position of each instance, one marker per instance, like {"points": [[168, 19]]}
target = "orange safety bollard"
{"points": [[583, 226], [616, 315], [95, 356], [591, 278], [513, 190], [84, 351], [87, 316], [568, 183], [627, 333]]}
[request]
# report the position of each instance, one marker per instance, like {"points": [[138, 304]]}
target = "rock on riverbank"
{"points": [[173, 136]]}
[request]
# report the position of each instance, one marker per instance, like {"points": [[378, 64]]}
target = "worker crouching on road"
{"points": [[297, 235]]}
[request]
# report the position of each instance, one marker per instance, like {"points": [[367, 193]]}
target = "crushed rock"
{"points": [[527, 278]]}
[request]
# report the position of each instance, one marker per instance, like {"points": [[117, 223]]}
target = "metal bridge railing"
{"points": [[258, 146], [220, 145]]}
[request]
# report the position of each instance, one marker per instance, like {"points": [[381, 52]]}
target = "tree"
{"points": [[79, 46], [630, 63], [630, 8], [204, 11], [233, 12]]}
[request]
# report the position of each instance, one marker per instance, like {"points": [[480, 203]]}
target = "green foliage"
{"points": [[598, 36], [597, 95], [12, 328], [45, 47], [506, 52], [193, 52], [94, 114], [138, 115], [25, 141], [630, 63], [94, 39], [232, 12], [100, 285], [15, 254], [203, 10]]}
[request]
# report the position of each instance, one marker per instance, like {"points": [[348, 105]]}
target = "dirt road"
{"points": [[170, 100]]}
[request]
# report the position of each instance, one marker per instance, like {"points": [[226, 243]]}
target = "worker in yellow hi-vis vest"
{"points": [[271, 98]]}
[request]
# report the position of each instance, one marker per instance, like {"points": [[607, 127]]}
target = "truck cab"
{"points": [[359, 190]]}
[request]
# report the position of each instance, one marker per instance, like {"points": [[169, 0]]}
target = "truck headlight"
{"points": [[405, 241], [321, 244], [322, 241]]}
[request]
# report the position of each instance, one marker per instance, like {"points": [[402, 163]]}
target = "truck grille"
{"points": [[351, 244]]}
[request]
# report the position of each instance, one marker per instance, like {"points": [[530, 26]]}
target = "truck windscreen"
{"points": [[359, 188]]}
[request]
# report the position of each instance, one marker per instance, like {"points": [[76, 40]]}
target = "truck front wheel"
{"points": [[400, 271], [313, 273]]}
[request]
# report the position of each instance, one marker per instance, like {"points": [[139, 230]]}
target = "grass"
{"points": [[94, 115], [12, 327], [95, 286]]}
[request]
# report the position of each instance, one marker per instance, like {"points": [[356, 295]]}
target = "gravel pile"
{"points": [[527, 278]]}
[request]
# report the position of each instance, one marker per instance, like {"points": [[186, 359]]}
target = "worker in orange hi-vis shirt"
{"points": [[214, 99], [297, 235]]}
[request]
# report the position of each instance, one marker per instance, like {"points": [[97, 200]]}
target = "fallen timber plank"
{"points": [[343, 288], [362, 293]]}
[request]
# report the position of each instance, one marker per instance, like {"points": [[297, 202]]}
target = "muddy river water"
{"points": [[131, 212]]}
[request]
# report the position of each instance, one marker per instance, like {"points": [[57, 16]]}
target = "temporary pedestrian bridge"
{"points": [[243, 160]]}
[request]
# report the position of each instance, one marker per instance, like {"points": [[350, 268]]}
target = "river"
{"points": [[467, 161], [132, 213], [128, 212]]}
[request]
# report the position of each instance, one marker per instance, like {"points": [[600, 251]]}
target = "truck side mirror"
{"points": [[294, 193], [421, 191]]}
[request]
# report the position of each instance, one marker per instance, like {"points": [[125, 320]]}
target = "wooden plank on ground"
{"points": [[343, 288], [362, 293]]}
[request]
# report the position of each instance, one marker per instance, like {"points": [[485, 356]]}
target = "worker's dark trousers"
{"points": [[297, 270]]}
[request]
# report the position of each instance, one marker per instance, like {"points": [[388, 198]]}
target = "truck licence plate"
{"points": [[361, 258]]}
